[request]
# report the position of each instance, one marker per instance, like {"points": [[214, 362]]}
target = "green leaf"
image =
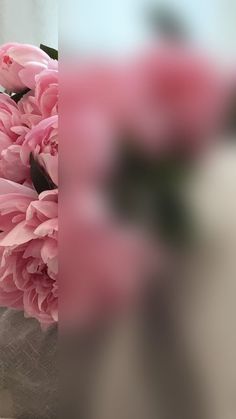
{"points": [[41, 180], [18, 96], [53, 53]]}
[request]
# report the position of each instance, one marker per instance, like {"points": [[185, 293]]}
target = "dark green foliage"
{"points": [[53, 53], [41, 180]]}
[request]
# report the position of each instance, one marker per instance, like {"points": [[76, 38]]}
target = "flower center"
{"points": [[54, 148], [7, 60], [42, 270], [51, 146]]}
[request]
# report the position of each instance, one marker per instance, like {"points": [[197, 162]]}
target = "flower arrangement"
{"points": [[29, 181], [157, 113]]}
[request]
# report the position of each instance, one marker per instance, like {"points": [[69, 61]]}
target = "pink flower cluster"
{"points": [[169, 100], [28, 219]]}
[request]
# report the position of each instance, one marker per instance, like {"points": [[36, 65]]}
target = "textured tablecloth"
{"points": [[28, 368]]}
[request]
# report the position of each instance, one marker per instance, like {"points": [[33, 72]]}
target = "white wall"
{"points": [[29, 21]]}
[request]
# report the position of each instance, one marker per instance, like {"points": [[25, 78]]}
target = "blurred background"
{"points": [[115, 27]]}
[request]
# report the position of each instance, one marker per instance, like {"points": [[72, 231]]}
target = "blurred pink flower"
{"points": [[104, 262], [171, 99], [42, 141], [88, 135], [20, 63], [29, 253]]}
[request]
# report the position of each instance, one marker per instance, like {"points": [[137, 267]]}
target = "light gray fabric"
{"points": [[28, 366]]}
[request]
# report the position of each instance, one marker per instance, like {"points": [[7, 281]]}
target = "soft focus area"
{"points": [[148, 187]]}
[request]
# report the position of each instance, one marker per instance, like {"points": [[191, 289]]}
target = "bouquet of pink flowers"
{"points": [[28, 180], [162, 108]]}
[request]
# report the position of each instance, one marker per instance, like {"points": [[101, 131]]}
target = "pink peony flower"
{"points": [[11, 134], [42, 141], [11, 166], [46, 93], [28, 250], [43, 102], [20, 63], [30, 113], [10, 117]]}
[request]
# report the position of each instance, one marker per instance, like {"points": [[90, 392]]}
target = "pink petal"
{"points": [[27, 74], [24, 53], [51, 165], [7, 186], [20, 234], [47, 228], [49, 250]]}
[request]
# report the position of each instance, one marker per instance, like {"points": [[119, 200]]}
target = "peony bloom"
{"points": [[20, 63], [42, 141], [43, 102], [10, 117], [11, 166], [11, 134], [30, 113], [28, 248], [46, 93]]}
